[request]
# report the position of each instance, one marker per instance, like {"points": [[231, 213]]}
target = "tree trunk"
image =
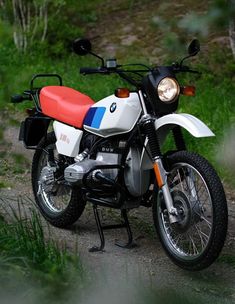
{"points": [[27, 20], [232, 29], [232, 36]]}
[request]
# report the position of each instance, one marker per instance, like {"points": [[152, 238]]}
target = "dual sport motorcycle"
{"points": [[109, 153]]}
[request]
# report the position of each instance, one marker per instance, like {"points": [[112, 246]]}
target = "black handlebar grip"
{"points": [[101, 70], [89, 70], [16, 98], [19, 98]]}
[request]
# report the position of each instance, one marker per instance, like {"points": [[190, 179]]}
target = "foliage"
{"points": [[214, 89], [39, 24], [31, 261], [218, 16]]}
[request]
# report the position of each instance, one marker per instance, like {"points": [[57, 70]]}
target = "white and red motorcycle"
{"points": [[109, 153]]}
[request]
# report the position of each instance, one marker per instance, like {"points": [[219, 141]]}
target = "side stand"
{"points": [[100, 228]]}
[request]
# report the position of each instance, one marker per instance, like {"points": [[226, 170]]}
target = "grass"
{"points": [[4, 185], [213, 102], [228, 259], [30, 262], [12, 164], [1, 134], [20, 163]]}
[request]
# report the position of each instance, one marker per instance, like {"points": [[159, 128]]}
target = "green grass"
{"points": [[213, 103], [32, 263], [20, 163], [1, 133], [3, 184], [12, 163], [228, 259]]}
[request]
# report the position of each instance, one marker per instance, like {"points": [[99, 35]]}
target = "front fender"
{"points": [[164, 124], [189, 122]]}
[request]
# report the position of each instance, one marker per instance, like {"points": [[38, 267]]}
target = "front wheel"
{"points": [[196, 240]]}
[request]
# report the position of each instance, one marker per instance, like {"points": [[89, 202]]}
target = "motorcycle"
{"points": [[109, 153]]}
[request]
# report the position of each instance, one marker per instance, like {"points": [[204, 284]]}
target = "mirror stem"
{"points": [[181, 62], [97, 56]]}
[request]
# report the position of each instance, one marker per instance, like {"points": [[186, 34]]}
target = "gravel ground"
{"points": [[147, 262]]}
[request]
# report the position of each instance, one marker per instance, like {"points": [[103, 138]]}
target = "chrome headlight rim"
{"points": [[165, 95]]}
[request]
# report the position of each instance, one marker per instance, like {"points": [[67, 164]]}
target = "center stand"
{"points": [[130, 244]]}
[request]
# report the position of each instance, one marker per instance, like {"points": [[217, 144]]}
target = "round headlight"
{"points": [[168, 89]]}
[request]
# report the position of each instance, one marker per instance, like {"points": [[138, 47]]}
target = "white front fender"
{"points": [[164, 124], [189, 122]]}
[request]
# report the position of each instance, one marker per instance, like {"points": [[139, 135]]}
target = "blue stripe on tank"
{"points": [[89, 116], [99, 113], [94, 117]]}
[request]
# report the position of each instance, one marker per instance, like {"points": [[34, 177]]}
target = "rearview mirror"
{"points": [[81, 46], [194, 47]]}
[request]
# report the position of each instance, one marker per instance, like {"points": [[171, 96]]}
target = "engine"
{"points": [[88, 165]]}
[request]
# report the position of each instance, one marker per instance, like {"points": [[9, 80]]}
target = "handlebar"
{"points": [[101, 70], [104, 70], [179, 69]]}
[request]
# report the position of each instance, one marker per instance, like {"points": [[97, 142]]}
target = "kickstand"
{"points": [[100, 231], [125, 224]]}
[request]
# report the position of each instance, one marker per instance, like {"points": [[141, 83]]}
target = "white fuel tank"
{"points": [[112, 115]]}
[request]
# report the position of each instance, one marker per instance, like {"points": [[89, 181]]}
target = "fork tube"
{"points": [[160, 173], [179, 139], [141, 97]]}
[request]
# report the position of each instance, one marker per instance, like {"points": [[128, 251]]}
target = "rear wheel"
{"points": [[197, 239], [60, 204]]}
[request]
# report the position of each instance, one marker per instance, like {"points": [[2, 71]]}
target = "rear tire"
{"points": [[60, 204], [198, 238]]}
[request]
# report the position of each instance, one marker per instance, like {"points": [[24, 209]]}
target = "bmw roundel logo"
{"points": [[113, 107]]}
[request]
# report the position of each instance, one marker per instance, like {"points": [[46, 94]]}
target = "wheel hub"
{"points": [[183, 207], [47, 178]]}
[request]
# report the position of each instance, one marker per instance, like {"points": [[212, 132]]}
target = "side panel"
{"points": [[68, 139], [112, 115]]}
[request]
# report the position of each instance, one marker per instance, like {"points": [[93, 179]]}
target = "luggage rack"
{"points": [[34, 91]]}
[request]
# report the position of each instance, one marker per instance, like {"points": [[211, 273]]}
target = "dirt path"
{"points": [[147, 262]]}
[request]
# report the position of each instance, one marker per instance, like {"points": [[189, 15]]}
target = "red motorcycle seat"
{"points": [[65, 104]]}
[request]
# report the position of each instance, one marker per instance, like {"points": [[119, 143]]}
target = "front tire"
{"points": [[197, 239], [60, 204]]}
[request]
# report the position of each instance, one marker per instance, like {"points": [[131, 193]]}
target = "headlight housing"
{"points": [[168, 90]]}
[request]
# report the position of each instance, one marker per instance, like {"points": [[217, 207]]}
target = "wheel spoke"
{"points": [[194, 247], [192, 234], [208, 222], [203, 236], [58, 196]]}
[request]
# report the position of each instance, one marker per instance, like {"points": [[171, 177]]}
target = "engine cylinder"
{"points": [[74, 173]]}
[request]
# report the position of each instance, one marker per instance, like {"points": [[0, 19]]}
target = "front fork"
{"points": [[160, 172]]}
